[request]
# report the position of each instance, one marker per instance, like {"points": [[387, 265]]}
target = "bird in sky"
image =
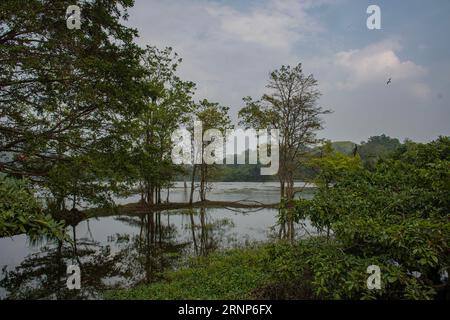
{"points": [[389, 81]]}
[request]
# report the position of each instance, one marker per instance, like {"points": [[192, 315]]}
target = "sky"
{"points": [[229, 48]]}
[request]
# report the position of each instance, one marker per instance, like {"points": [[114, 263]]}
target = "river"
{"points": [[120, 251]]}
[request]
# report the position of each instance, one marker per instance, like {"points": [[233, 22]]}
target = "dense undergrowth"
{"points": [[394, 216]]}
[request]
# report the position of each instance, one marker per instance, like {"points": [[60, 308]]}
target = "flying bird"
{"points": [[389, 81]]}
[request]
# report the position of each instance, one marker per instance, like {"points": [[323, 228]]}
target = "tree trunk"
{"points": [[292, 234], [289, 188], [282, 183], [159, 194], [192, 184], [149, 199], [203, 182], [191, 215]]}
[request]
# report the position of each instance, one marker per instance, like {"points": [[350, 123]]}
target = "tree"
{"points": [[376, 148], [66, 96], [61, 89], [290, 106], [212, 116], [168, 104], [331, 165]]}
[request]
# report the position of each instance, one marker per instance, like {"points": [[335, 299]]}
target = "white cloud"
{"points": [[377, 63], [228, 52], [353, 83], [278, 24]]}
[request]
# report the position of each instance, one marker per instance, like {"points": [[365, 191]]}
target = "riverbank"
{"points": [[231, 274], [235, 274]]}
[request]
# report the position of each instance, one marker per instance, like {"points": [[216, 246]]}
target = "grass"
{"points": [[231, 274]]}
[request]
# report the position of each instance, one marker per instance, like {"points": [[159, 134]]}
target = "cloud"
{"points": [[228, 52], [377, 63], [353, 83], [229, 48], [278, 24]]}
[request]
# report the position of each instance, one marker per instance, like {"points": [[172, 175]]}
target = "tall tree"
{"points": [[212, 116], [290, 106], [66, 95], [168, 104]]}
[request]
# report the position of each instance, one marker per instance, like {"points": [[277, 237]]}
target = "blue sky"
{"points": [[230, 46]]}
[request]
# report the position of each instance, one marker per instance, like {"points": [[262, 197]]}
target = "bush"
{"points": [[232, 274], [396, 216], [20, 212]]}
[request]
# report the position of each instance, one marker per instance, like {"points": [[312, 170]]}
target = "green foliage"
{"points": [[345, 147], [64, 91], [377, 148], [321, 267], [396, 216], [332, 165], [20, 212], [167, 105], [68, 97], [323, 270], [213, 115], [232, 274]]}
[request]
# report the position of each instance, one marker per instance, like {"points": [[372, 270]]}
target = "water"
{"points": [[123, 251], [264, 192]]}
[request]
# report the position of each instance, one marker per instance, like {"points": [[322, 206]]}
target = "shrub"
{"points": [[396, 216], [20, 212]]}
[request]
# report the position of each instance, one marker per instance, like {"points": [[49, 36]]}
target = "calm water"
{"points": [[122, 251]]}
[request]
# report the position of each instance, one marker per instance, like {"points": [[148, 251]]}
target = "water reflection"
{"points": [[42, 275], [133, 250], [155, 248], [122, 251], [208, 235]]}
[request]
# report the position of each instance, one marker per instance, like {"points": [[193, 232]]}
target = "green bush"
{"points": [[20, 211], [232, 274], [396, 216]]}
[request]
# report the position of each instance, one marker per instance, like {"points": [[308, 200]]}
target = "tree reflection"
{"points": [[42, 275], [124, 260], [208, 235], [154, 250]]}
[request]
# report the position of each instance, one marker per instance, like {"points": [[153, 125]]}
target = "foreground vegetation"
{"points": [[395, 216], [271, 271], [22, 213], [232, 274], [96, 121]]}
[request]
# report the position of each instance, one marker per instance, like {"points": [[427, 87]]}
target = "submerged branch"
{"points": [[143, 207]]}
